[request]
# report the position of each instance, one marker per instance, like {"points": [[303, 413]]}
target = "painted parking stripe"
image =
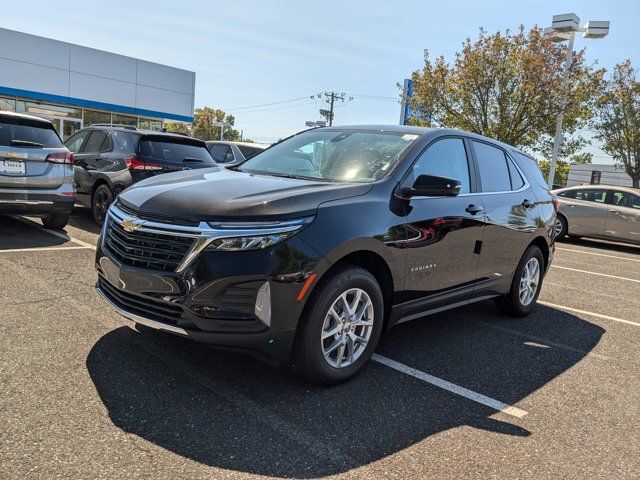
{"points": [[598, 254], [43, 249], [55, 233], [585, 312], [451, 387], [596, 273]]}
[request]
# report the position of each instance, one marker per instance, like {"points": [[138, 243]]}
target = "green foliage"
{"points": [[508, 87], [204, 126], [617, 123], [561, 174]]}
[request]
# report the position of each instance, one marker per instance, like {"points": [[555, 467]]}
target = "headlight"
{"points": [[254, 236]]}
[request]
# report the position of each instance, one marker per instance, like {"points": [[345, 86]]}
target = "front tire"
{"points": [[525, 286], [100, 201], [561, 227], [340, 327]]}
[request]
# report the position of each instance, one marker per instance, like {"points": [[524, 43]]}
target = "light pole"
{"points": [[563, 28], [220, 124]]}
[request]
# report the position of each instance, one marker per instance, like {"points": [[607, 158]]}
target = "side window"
{"points": [[219, 152], [229, 156], [94, 143], [494, 171], [531, 169], [591, 195], [624, 199], [74, 143], [568, 194], [445, 158]]}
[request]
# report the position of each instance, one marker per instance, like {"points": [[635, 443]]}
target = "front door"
{"points": [[623, 218], [587, 211], [443, 233]]}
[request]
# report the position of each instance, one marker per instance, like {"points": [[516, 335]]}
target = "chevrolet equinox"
{"points": [[308, 251]]}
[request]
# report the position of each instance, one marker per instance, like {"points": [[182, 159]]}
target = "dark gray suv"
{"points": [[36, 170]]}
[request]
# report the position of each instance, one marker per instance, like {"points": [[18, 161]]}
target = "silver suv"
{"points": [[36, 170]]}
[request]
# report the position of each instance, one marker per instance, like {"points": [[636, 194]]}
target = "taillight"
{"points": [[555, 203], [60, 157], [134, 163]]}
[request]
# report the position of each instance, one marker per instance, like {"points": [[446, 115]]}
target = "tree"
{"points": [[508, 87], [617, 123], [204, 126], [562, 171]]}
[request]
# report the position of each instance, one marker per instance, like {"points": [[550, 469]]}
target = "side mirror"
{"points": [[433, 186]]}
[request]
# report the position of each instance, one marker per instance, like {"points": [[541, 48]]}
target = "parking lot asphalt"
{"points": [[468, 393]]}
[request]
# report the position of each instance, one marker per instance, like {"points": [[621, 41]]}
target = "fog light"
{"points": [[263, 304]]}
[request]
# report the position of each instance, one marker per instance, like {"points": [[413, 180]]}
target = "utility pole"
{"points": [[331, 99]]}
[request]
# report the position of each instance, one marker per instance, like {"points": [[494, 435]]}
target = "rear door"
{"points": [[511, 217], [586, 210], [24, 147], [167, 153], [88, 160], [623, 217]]}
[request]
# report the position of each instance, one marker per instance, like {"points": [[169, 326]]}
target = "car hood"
{"points": [[220, 194]]}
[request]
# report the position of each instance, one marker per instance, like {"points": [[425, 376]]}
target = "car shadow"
{"points": [[229, 411], [82, 218], [18, 233], [602, 245]]}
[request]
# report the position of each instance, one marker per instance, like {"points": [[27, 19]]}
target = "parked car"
{"points": [[231, 153], [36, 170], [308, 251], [599, 211], [109, 158]]}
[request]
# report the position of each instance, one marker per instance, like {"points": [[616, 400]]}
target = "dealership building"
{"points": [[75, 86]]}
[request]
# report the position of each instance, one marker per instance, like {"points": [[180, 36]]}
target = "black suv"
{"points": [[109, 158], [306, 252]]}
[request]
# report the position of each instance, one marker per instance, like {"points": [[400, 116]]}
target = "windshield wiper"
{"points": [[26, 143]]}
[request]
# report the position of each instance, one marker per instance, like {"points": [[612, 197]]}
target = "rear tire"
{"points": [[343, 320], [100, 201], [525, 286], [561, 227], [56, 221]]}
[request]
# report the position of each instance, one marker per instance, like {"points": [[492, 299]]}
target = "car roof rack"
{"points": [[117, 125]]}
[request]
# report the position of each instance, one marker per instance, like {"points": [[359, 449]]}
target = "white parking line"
{"points": [[57, 234], [585, 312], [42, 249], [595, 273], [598, 254], [451, 387]]}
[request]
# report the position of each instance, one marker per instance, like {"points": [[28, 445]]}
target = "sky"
{"points": [[247, 52]]}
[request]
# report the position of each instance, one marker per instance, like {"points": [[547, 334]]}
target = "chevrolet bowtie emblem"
{"points": [[130, 225]]}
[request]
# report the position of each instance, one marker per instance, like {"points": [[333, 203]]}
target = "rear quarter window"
{"points": [[15, 130], [531, 169], [249, 152]]}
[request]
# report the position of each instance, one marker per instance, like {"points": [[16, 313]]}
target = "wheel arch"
{"points": [[543, 245]]}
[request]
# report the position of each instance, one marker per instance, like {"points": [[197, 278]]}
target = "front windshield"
{"points": [[332, 155]]}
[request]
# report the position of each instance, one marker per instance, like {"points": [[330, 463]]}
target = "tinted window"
{"points": [[94, 142], [494, 171], [591, 195], [516, 179], [445, 158], [74, 143], [23, 132], [249, 152], [624, 199], [125, 142], [220, 152], [174, 151], [531, 169], [107, 145], [567, 194]]}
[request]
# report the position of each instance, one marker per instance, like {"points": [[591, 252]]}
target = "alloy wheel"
{"points": [[347, 328], [529, 281], [558, 227], [102, 202]]}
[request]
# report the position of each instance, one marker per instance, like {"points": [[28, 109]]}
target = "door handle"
{"points": [[615, 212], [473, 209], [527, 204]]}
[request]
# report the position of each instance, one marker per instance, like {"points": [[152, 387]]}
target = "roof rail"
{"points": [[118, 125]]}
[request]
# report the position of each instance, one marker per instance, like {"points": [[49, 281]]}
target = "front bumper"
{"points": [[35, 201], [214, 298]]}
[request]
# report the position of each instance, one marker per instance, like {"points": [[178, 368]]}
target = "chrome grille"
{"points": [[143, 249]]}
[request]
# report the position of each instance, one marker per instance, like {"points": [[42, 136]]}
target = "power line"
{"points": [[272, 103]]}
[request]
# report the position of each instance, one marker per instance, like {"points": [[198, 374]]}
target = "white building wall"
{"points": [[46, 69], [580, 174]]}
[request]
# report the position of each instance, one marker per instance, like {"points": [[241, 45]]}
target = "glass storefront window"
{"points": [[7, 104], [95, 116], [38, 108], [150, 124], [125, 120]]}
